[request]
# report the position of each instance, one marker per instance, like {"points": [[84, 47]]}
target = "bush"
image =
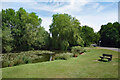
{"points": [[39, 59], [8, 48], [63, 56], [13, 59], [5, 63], [77, 49], [16, 62], [11, 63]]}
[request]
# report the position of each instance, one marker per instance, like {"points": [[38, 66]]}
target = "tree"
{"points": [[65, 32], [1, 31], [7, 40], [42, 39], [88, 35], [7, 22], [96, 37], [28, 38], [110, 34], [24, 29], [117, 26]]}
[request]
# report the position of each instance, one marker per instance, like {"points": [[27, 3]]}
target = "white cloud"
{"points": [[119, 12], [0, 6], [17, 0], [95, 21], [96, 5], [74, 6], [100, 8], [46, 21], [59, 0], [56, 7]]}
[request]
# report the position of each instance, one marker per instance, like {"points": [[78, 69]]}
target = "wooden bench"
{"points": [[106, 56]]}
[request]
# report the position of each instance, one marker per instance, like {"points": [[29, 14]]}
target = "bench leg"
{"points": [[109, 59], [102, 58]]}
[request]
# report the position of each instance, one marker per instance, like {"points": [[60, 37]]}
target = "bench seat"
{"points": [[106, 56]]}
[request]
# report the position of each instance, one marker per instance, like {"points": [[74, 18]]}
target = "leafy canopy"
{"points": [[65, 31]]}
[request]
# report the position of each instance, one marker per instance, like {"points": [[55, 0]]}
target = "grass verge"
{"points": [[84, 66]]}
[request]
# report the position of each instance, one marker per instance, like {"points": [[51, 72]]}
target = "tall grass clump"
{"points": [[63, 56], [13, 59]]}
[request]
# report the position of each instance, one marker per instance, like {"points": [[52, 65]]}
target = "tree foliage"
{"points": [[110, 34], [65, 31], [23, 29], [42, 39], [89, 36], [7, 40]]}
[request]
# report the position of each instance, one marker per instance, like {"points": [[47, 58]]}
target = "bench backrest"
{"points": [[107, 55]]}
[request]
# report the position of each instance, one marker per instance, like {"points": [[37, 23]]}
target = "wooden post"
{"points": [[50, 57]]}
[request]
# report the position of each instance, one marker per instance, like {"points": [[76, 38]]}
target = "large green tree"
{"points": [[24, 29], [65, 31], [42, 39], [96, 37], [110, 35], [7, 40], [88, 35]]}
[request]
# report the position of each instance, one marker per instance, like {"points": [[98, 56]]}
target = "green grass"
{"points": [[84, 66]]}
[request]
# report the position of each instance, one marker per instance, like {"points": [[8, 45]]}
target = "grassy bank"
{"points": [[84, 66]]}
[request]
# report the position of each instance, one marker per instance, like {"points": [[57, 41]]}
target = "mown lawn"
{"points": [[84, 66]]}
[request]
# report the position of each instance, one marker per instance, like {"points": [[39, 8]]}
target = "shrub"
{"points": [[83, 49], [8, 48], [70, 54], [38, 59], [77, 49], [11, 63], [27, 59], [16, 62], [13, 59], [63, 56], [5, 63], [20, 61]]}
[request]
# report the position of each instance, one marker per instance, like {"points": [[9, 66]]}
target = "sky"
{"points": [[93, 13]]}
